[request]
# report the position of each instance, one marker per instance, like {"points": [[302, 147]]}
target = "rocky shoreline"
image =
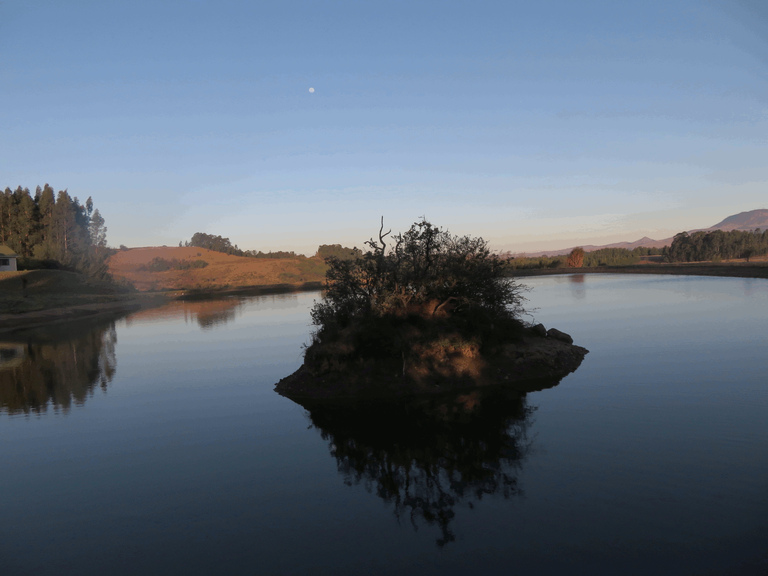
{"points": [[540, 355]]}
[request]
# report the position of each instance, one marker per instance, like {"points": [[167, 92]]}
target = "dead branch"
{"points": [[381, 237]]}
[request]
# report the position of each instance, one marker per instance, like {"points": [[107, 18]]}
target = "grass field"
{"points": [[220, 272]]}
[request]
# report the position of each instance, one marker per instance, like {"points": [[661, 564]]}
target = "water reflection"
{"points": [[425, 457], [576, 284], [213, 313], [61, 366]]}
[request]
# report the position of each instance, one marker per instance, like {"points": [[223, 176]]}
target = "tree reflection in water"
{"points": [[61, 366], [427, 456], [208, 314]]}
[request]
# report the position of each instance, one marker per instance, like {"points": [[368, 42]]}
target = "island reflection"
{"points": [[59, 366], [427, 456]]}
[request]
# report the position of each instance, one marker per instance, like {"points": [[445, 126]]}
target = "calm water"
{"points": [[155, 444]]}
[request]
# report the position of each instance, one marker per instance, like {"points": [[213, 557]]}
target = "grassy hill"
{"points": [[162, 268]]}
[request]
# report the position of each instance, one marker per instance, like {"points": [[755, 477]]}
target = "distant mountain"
{"points": [[742, 221]]}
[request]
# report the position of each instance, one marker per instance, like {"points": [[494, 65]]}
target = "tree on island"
{"points": [[424, 311], [427, 272]]}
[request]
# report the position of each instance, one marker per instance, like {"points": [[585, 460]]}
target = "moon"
{"points": [[311, 90]]}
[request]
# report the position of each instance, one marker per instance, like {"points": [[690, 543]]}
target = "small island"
{"points": [[432, 313]]}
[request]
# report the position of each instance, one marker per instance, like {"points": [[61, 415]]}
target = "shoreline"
{"points": [[728, 270], [22, 321], [14, 322]]}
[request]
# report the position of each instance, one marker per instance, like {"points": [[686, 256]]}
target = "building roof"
{"points": [[5, 251]]}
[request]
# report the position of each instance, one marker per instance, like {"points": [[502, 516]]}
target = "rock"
{"points": [[558, 335], [539, 330]]}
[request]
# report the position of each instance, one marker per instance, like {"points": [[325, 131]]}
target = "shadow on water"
{"points": [[59, 366], [427, 456]]}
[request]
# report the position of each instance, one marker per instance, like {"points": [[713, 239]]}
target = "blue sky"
{"points": [[537, 125]]}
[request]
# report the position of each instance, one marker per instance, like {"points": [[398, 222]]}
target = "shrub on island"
{"points": [[431, 312]]}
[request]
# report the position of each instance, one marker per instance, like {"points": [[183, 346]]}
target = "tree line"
{"points": [[225, 246], [53, 230], [578, 258], [716, 245]]}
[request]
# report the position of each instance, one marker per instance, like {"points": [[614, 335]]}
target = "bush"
{"points": [[575, 258], [426, 274]]}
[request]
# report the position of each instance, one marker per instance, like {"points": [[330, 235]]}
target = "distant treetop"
{"points": [[224, 245], [338, 251]]}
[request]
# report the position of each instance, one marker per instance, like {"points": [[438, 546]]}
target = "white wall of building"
{"points": [[10, 267]]}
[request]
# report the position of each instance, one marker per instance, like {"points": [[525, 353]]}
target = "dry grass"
{"points": [[223, 270]]}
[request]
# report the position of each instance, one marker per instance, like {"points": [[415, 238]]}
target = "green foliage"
{"points": [[601, 257], [611, 257], [225, 246], [338, 251], [277, 254], [426, 273], [646, 251], [215, 243], [54, 231], [716, 245], [529, 263]]}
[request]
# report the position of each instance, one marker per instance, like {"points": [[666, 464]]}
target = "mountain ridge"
{"points": [[749, 220]]}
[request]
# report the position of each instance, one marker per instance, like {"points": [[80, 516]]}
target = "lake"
{"points": [[155, 444]]}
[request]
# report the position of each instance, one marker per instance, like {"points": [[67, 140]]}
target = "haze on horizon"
{"points": [[536, 125]]}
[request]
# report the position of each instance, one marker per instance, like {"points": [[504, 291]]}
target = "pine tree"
{"points": [[98, 232]]}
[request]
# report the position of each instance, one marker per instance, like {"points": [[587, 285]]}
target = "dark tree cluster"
{"points": [[215, 243], [225, 246], [423, 312], [338, 251], [601, 257], [426, 272], [275, 254], [53, 230], [717, 245], [612, 257]]}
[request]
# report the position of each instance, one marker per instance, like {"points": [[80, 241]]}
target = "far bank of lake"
{"points": [[725, 269]]}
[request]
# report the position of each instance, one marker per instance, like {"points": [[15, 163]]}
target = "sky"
{"points": [[536, 125]]}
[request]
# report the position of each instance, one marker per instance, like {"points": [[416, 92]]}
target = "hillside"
{"points": [[742, 221], [221, 270], [644, 242]]}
